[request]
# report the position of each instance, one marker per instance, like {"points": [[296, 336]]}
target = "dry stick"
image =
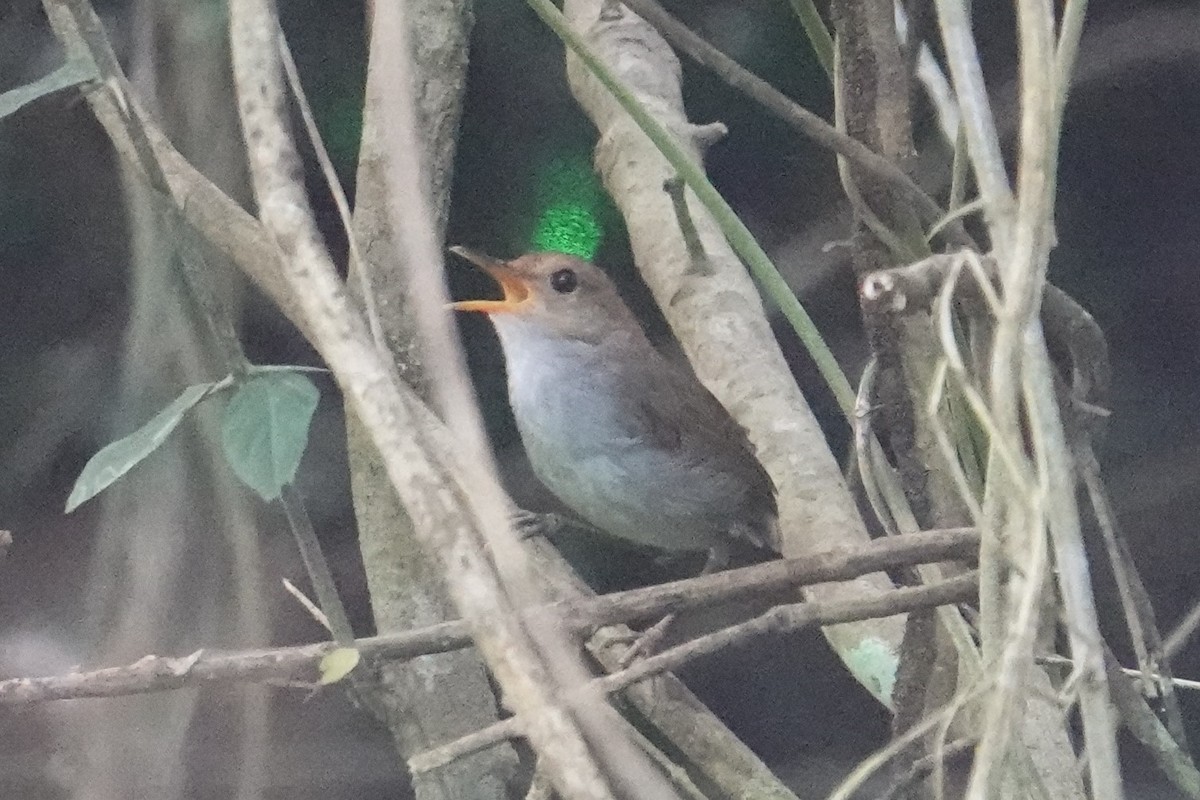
{"points": [[1135, 600], [780, 620], [466, 745], [384, 404], [1023, 279], [405, 583], [583, 614], [1176, 639], [924, 766], [159, 673], [790, 112]]}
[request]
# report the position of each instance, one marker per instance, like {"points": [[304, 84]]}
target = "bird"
{"points": [[626, 438]]}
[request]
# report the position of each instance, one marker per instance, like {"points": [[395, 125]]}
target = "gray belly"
{"points": [[614, 481]]}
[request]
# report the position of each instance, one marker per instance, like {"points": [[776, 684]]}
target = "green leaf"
{"points": [[115, 459], [337, 664], [266, 429], [66, 76]]}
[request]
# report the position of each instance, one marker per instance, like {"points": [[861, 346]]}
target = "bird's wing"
{"points": [[673, 399]]}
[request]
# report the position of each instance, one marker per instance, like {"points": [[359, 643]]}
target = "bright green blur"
{"points": [[569, 201]]}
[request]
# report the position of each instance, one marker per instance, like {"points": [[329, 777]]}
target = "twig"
{"points": [[1183, 632], [775, 576], [984, 146], [799, 616], [817, 33], [924, 766], [464, 746], [358, 265], [583, 614], [159, 673], [790, 112], [677, 191], [312, 608], [316, 565], [780, 620], [1142, 722]]}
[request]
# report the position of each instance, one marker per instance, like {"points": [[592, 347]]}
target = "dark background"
{"points": [[1129, 241]]}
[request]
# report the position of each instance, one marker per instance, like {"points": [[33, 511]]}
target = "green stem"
{"points": [[818, 34]]}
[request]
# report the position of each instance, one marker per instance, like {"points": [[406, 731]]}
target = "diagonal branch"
{"points": [[528, 665]]}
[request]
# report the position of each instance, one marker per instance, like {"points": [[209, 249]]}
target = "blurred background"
{"points": [[89, 346]]}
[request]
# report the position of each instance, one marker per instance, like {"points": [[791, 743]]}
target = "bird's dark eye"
{"points": [[564, 281]]}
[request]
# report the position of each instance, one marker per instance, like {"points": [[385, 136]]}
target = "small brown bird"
{"points": [[626, 438]]}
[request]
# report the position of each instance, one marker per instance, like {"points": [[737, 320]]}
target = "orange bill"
{"points": [[515, 289]]}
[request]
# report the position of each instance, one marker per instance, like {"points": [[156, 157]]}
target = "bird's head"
{"points": [[558, 294]]}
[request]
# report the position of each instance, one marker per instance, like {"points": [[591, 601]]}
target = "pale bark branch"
{"points": [[719, 319], [527, 665]]}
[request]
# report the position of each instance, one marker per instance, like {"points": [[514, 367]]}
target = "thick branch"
{"points": [[719, 318], [441, 511]]}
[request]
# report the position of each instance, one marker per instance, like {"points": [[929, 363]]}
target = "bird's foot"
{"points": [[529, 524], [648, 642], [538, 523]]}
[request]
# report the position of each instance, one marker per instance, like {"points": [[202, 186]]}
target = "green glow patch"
{"points": [[570, 229], [569, 200]]}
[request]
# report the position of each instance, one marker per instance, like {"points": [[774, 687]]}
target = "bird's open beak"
{"points": [[516, 290]]}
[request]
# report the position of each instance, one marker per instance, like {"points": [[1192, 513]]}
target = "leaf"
{"points": [[66, 76], [117, 458], [266, 429], [337, 664]]}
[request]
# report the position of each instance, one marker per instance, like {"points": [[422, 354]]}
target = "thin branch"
{"points": [[316, 565], [817, 33], [799, 616], [582, 614], [160, 673], [1176, 640], [779, 620], [980, 128], [791, 112], [776, 577], [466, 745], [924, 766], [358, 265]]}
